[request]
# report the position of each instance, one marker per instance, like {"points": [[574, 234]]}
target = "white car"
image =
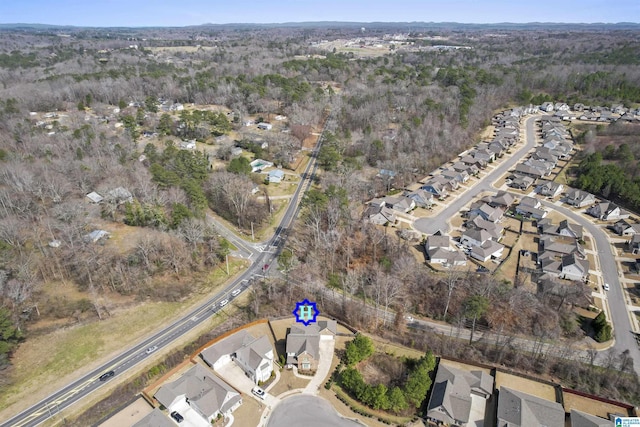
{"points": [[257, 391], [236, 292], [606, 286], [152, 349], [224, 302]]}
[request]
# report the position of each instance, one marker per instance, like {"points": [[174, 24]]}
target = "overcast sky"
{"points": [[140, 13]]}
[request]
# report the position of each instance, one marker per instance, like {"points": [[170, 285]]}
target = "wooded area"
{"points": [[407, 111]]}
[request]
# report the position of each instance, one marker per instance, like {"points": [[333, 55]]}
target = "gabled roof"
{"points": [[254, 353], [304, 339], [226, 346], [582, 419], [571, 260], [502, 198], [530, 201], [488, 248], [450, 400], [155, 418], [477, 234], [517, 409], [203, 389], [437, 242]]}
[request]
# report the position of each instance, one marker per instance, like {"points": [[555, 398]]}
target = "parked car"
{"points": [[152, 349], [107, 375], [258, 392], [176, 416], [236, 292], [224, 302]]}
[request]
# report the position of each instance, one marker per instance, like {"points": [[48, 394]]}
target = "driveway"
{"points": [[326, 357], [191, 417], [308, 411], [234, 375]]}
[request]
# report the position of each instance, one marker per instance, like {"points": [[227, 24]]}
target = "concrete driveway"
{"points": [[234, 375], [324, 365]]}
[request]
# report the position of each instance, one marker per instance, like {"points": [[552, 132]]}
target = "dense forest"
{"points": [[407, 110]]}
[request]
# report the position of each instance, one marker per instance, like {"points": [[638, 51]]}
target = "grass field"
{"points": [[47, 362]]}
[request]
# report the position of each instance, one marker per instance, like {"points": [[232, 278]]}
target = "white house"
{"points": [[200, 391], [253, 355], [265, 126], [489, 249]]}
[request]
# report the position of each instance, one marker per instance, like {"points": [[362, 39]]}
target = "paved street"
{"points": [[619, 315], [308, 411]]}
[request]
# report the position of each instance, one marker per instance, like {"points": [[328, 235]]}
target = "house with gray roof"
{"points": [[94, 197], [439, 252], [399, 203], [502, 200], [549, 188], [579, 198], [421, 198], [565, 228], [253, 355], [487, 250], [521, 182], [474, 237], [155, 418], [202, 392], [607, 211], [518, 409], [379, 215], [582, 419], [531, 209], [495, 230], [436, 188], [486, 212], [453, 393], [303, 347], [625, 228]]}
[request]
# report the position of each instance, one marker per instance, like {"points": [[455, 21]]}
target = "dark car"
{"points": [[107, 375], [176, 416]]}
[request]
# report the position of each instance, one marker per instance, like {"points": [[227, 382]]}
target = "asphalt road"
{"points": [[307, 411], [440, 221], [262, 256], [624, 336]]}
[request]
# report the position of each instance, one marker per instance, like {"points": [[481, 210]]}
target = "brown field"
{"points": [[288, 381], [535, 388], [129, 415], [591, 406], [463, 366]]}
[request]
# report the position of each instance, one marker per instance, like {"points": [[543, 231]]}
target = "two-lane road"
{"points": [[260, 254]]}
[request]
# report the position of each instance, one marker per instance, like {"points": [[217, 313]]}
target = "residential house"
{"points": [[470, 160], [469, 169], [461, 177], [201, 391], [449, 183], [529, 171], [380, 215], [579, 198], [545, 167], [421, 198], [96, 235], [253, 355], [530, 207], [438, 251], [502, 200], [454, 392], [578, 106], [559, 246], [258, 165], [634, 244], [549, 188], [265, 126], [474, 237], [518, 409], [565, 228], [155, 418], [188, 145], [494, 230], [521, 182], [486, 212], [489, 249], [546, 154], [574, 268], [303, 343], [275, 176], [546, 107], [94, 197], [582, 419], [607, 211], [399, 203], [624, 228], [436, 188], [484, 154]]}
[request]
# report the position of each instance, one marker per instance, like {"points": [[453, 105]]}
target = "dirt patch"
{"points": [[535, 388], [591, 406], [288, 381], [383, 369], [130, 415]]}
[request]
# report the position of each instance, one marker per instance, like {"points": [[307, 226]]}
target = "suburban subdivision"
{"points": [[319, 225]]}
